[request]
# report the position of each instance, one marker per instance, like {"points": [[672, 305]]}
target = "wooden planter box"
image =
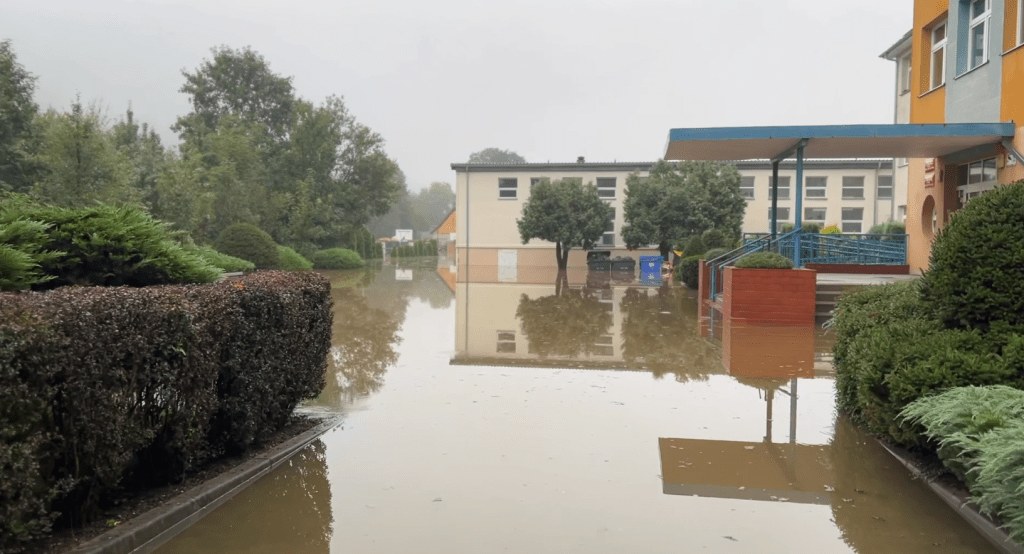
{"points": [[769, 296]]}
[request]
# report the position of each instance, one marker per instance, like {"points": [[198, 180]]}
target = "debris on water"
{"points": [[878, 518], [860, 491], [748, 447], [829, 488], [730, 538], [438, 499]]}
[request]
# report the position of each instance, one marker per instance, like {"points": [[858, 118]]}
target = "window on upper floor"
{"points": [[938, 57], [507, 187], [814, 214], [608, 238], [783, 188], [884, 187], [747, 187], [905, 73], [853, 220], [781, 216], [853, 188], [979, 15], [606, 187], [535, 180], [816, 187]]}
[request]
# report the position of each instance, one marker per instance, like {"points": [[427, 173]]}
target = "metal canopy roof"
{"points": [[833, 141]]}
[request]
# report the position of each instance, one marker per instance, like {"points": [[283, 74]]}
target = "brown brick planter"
{"points": [[769, 296]]}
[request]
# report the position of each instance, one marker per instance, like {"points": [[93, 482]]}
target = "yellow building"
{"points": [[967, 65]]}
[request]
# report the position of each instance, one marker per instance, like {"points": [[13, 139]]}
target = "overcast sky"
{"points": [[551, 80]]}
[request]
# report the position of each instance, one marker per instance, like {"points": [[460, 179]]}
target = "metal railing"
{"points": [[847, 248], [763, 243]]}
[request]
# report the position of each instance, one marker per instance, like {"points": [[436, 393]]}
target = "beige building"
{"points": [[900, 53], [854, 194]]}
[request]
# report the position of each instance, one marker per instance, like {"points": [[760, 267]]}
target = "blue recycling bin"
{"points": [[651, 264]]}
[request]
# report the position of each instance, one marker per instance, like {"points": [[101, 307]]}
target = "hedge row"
{"points": [[421, 248], [103, 388]]}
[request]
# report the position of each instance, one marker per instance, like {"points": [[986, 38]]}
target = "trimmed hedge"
{"points": [[337, 258], [688, 271], [694, 247], [226, 263], [102, 245], [251, 243], [420, 248], [717, 238], [976, 273], [108, 387], [292, 260], [764, 260]]}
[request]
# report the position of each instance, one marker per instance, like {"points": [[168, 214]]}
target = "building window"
{"points": [[905, 74], [783, 188], [975, 179], [816, 187], [608, 238], [853, 188], [903, 162], [901, 213], [506, 342], [937, 73], [980, 12], [606, 187], [852, 220], [535, 180], [604, 346], [781, 218], [507, 187], [814, 214], [884, 187], [747, 187]]}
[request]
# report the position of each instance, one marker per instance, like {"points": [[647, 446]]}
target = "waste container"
{"points": [[624, 264], [650, 264]]}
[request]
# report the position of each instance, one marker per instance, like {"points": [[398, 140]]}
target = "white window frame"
{"points": [[850, 187], [612, 188], [936, 46], [879, 187], [783, 216], [844, 221], [503, 187], [982, 20], [968, 190], [782, 179], [905, 73], [747, 191], [824, 214], [608, 238], [808, 187]]}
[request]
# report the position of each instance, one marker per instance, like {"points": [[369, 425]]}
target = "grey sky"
{"points": [[552, 80]]}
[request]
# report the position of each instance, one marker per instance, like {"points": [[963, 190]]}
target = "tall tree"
{"points": [[566, 213], [18, 170], [495, 156], [141, 146], [673, 204], [434, 203]]}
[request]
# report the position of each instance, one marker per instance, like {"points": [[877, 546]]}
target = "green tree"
{"points": [[141, 146], [566, 213], [495, 156], [568, 323], [671, 204], [18, 170], [434, 203], [81, 161]]}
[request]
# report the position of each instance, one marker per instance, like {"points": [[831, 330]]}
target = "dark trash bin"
{"points": [[624, 264]]}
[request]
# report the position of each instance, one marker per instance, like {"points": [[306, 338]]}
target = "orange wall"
{"points": [[1013, 107]]}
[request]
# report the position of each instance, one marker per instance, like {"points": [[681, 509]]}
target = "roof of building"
{"points": [[902, 140], [865, 163], [448, 225], [897, 48]]}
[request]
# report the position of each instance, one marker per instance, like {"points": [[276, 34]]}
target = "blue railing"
{"points": [[763, 243], [820, 248]]}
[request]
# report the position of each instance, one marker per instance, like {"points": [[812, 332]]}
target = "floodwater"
{"points": [[511, 417]]}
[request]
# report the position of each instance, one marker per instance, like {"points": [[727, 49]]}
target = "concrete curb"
{"points": [[963, 506], [155, 527]]}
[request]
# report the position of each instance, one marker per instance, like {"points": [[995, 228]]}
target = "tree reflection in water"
{"points": [[568, 323], [657, 335], [363, 348]]}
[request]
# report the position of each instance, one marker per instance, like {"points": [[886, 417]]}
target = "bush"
{"points": [[805, 227], [337, 258], [694, 247], [718, 238], [292, 260], [109, 387], [831, 230], [714, 253], [688, 271], [980, 433], [249, 242], [976, 274], [49, 247], [224, 262], [764, 260], [889, 228]]}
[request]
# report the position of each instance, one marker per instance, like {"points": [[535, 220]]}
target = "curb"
{"points": [[157, 526], [962, 505]]}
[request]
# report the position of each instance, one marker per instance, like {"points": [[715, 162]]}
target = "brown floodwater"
{"points": [[511, 417]]}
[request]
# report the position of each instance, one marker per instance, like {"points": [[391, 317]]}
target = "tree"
{"points": [[568, 323], [17, 112], [671, 204], [141, 146], [434, 203], [495, 156], [566, 213]]}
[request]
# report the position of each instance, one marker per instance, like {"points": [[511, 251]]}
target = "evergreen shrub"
{"points": [[249, 242], [764, 260], [718, 238], [976, 272], [229, 264], [292, 260], [694, 247], [688, 271], [337, 258]]}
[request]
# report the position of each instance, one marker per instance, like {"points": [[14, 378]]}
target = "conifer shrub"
{"points": [[714, 253], [975, 276], [249, 242], [694, 247], [717, 238], [337, 258], [688, 271], [229, 264], [764, 260], [100, 245], [292, 260]]}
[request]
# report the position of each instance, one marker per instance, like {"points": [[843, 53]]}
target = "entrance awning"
{"points": [[902, 140]]}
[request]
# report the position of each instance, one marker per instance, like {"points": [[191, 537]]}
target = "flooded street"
{"points": [[545, 418]]}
